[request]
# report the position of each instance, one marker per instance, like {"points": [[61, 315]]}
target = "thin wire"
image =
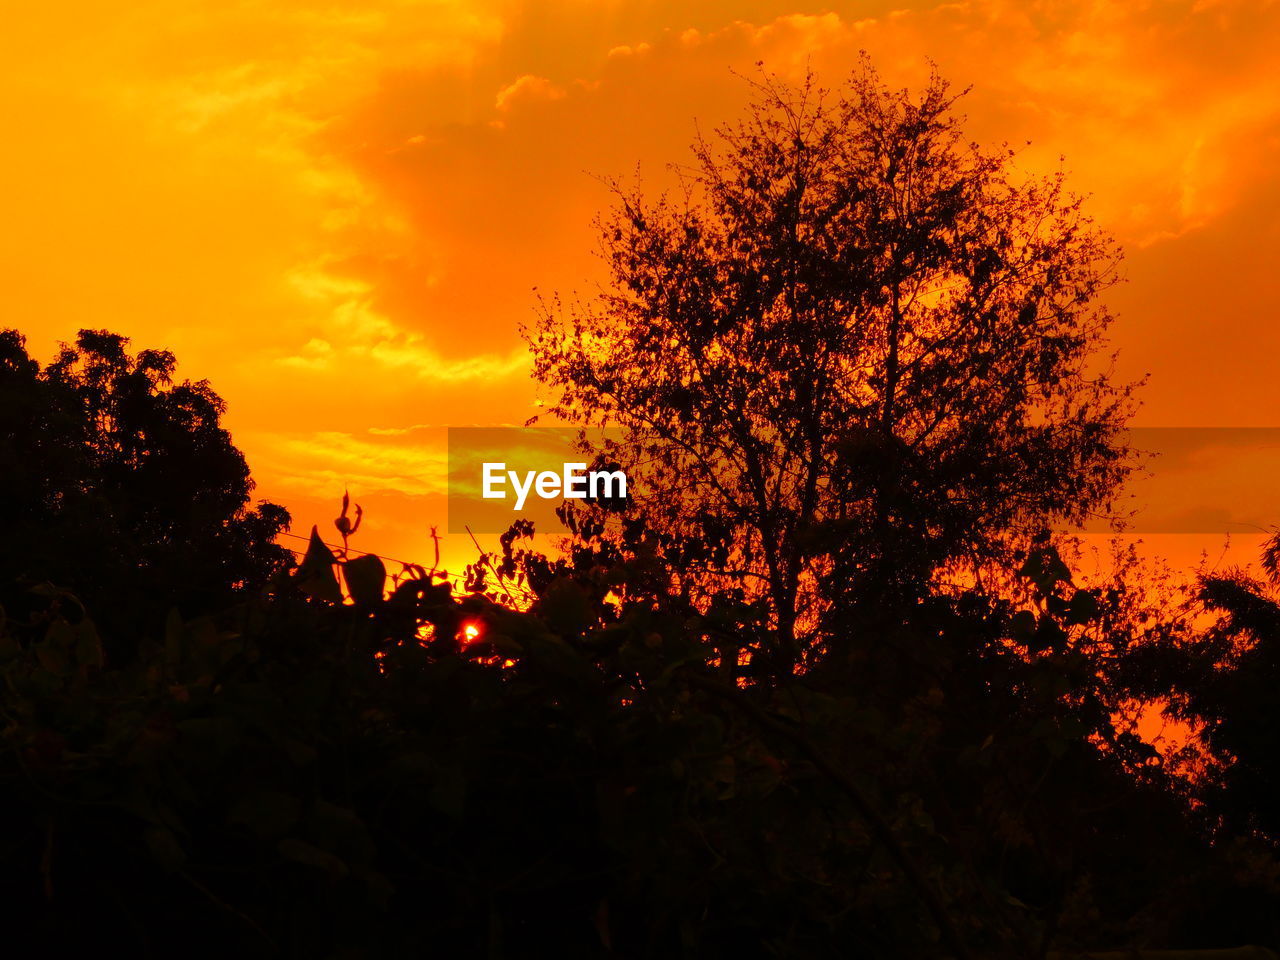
{"points": [[367, 553], [457, 578]]}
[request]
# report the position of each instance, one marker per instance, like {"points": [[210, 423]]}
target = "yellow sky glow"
{"points": [[337, 212]]}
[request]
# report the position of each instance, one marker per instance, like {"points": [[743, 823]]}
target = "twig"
{"points": [[46, 861], [879, 825], [223, 905], [484, 558]]}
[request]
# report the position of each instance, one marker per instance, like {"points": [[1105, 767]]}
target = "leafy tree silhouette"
{"points": [[124, 487], [857, 370], [854, 352], [1224, 679]]}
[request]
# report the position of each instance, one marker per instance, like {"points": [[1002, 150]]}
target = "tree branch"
{"points": [[879, 825]]}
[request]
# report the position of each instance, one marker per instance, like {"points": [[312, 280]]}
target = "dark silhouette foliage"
{"points": [[123, 486], [857, 352], [415, 772], [1224, 680], [845, 697]]}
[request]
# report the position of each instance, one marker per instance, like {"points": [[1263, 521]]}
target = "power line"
{"points": [[456, 578], [368, 553]]}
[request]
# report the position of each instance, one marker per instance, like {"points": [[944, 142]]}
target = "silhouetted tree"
{"points": [[1225, 681], [122, 485], [856, 351], [855, 374]]}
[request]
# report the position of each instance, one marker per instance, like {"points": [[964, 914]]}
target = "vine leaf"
{"points": [[315, 576], [365, 578]]}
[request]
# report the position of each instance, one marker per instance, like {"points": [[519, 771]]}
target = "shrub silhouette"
{"points": [[419, 772]]}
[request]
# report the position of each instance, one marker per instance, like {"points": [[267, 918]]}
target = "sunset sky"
{"points": [[338, 212]]}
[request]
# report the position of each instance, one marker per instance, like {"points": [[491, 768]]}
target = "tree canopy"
{"points": [[126, 487], [853, 351]]}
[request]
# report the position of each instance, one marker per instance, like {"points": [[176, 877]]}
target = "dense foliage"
{"points": [[878, 357], [851, 700], [434, 774], [122, 485], [1223, 679]]}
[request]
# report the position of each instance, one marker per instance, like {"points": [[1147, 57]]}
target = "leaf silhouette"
{"points": [[315, 575]]}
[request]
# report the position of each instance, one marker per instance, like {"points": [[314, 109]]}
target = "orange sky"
{"points": [[337, 211]]}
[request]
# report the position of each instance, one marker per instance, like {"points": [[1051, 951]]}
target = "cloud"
{"points": [[371, 344], [626, 50], [404, 431], [527, 89], [337, 211], [323, 463]]}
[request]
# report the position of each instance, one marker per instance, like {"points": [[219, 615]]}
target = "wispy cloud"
{"points": [[337, 212], [324, 462]]}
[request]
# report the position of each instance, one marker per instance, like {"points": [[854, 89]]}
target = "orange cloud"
{"points": [[527, 88], [338, 212]]}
